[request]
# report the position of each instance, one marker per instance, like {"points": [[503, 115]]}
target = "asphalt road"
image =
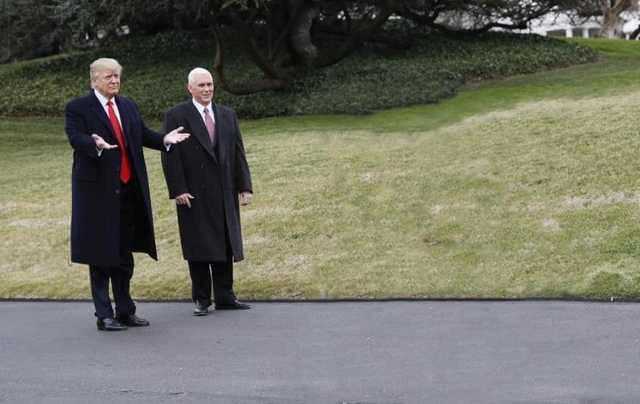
{"points": [[365, 353]]}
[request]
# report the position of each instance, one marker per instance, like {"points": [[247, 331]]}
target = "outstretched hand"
{"points": [[175, 136], [101, 144], [184, 199], [245, 198]]}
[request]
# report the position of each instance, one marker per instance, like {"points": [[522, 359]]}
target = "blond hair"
{"points": [[103, 64]]}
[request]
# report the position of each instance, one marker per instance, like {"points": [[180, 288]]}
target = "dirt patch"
{"points": [[584, 202], [38, 223], [551, 225]]}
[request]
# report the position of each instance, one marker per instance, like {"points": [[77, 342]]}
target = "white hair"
{"points": [[103, 64], [196, 71]]}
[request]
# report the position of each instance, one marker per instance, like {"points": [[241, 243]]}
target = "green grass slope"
{"points": [[519, 188]]}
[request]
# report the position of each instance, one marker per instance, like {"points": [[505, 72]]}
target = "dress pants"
{"points": [[203, 274], [120, 276]]}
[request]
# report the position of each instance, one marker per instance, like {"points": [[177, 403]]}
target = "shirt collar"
{"points": [[201, 107], [102, 99]]}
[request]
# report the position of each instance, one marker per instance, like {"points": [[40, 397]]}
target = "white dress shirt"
{"points": [[103, 101], [201, 108]]}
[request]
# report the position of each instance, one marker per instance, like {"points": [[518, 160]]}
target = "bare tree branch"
{"points": [[252, 87], [366, 28]]}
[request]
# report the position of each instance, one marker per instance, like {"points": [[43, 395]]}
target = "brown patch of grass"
{"points": [[540, 200]]}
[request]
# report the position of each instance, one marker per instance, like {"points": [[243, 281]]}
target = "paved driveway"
{"points": [[366, 353]]}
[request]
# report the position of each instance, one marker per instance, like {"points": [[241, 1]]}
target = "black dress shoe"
{"points": [[133, 321], [237, 305], [200, 309], [110, 324]]}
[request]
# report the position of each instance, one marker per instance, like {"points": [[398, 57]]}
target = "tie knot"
{"points": [[206, 111], [109, 103]]}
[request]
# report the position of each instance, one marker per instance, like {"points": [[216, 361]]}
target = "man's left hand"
{"points": [[175, 136], [245, 198]]}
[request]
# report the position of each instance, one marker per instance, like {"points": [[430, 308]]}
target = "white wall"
{"points": [[562, 25]]}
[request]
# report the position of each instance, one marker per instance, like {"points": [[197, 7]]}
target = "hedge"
{"points": [[155, 70]]}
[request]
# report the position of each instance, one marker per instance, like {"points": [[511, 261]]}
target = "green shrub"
{"points": [[155, 70]]}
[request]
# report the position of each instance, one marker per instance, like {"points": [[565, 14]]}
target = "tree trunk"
{"points": [[609, 24], [300, 38], [251, 87], [611, 10]]}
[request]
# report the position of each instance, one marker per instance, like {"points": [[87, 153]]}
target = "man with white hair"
{"points": [[208, 176], [111, 209]]}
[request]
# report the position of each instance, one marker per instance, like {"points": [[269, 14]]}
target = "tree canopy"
{"points": [[283, 38]]}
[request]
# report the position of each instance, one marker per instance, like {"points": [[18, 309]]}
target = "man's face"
{"points": [[107, 82], [201, 88]]}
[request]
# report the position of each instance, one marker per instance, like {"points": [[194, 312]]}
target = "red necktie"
{"points": [[125, 166]]}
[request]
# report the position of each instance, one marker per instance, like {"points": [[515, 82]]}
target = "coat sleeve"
{"points": [[172, 162], [77, 131], [150, 138], [241, 170]]}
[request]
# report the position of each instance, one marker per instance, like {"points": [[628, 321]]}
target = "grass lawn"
{"points": [[524, 187]]}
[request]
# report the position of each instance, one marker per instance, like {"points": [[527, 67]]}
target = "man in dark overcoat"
{"points": [[111, 209], [208, 176]]}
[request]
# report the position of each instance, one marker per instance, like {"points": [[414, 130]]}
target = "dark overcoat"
{"points": [[95, 181], [214, 175]]}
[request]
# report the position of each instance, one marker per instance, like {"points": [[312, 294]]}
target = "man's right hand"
{"points": [[101, 144], [184, 199]]}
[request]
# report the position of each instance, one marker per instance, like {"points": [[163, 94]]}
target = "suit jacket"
{"points": [[95, 181], [214, 175]]}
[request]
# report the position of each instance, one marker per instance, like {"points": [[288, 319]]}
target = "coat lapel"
{"points": [[199, 130], [220, 135], [99, 111], [124, 118]]}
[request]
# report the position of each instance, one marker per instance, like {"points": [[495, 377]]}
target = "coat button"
{"points": [[117, 191]]}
